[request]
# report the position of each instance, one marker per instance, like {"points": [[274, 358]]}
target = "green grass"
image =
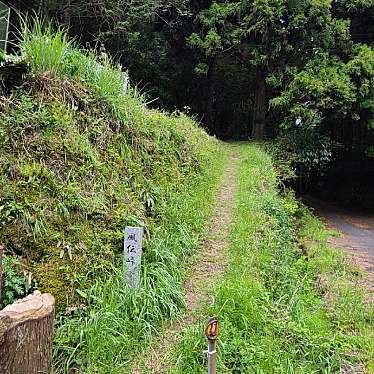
{"points": [[44, 48], [81, 157], [120, 318], [275, 318], [49, 51]]}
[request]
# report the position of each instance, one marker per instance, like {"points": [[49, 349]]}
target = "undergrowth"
{"points": [[81, 157], [14, 284], [274, 315]]}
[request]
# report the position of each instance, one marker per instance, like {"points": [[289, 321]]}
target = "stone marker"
{"points": [[133, 255], [26, 334]]}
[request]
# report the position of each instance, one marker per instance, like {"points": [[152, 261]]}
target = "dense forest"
{"points": [[298, 71]]}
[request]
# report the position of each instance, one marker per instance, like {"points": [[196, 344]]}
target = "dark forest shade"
{"points": [[4, 26]]}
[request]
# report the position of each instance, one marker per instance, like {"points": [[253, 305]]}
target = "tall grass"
{"points": [[44, 49], [120, 321], [48, 49]]}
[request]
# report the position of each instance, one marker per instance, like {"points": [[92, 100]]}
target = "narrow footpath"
{"points": [[209, 265]]}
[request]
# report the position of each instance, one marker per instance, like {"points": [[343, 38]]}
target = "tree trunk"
{"points": [[259, 108], [26, 334], [210, 95], [67, 14]]}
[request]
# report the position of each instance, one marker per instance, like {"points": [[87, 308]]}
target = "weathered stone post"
{"points": [[26, 334]]}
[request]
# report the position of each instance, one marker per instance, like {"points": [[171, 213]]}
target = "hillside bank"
{"points": [[81, 157]]}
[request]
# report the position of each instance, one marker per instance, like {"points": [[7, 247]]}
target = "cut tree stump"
{"points": [[26, 334]]}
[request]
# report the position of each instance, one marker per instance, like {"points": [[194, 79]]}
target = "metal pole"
{"points": [[211, 332], [212, 357]]}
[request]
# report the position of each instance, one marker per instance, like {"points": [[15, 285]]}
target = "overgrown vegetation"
{"points": [[259, 69], [81, 158], [287, 304], [14, 283]]}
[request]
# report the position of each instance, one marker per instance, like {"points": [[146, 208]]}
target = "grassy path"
{"points": [[208, 265], [285, 301]]}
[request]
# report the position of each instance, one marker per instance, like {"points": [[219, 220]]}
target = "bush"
{"points": [[13, 286]]}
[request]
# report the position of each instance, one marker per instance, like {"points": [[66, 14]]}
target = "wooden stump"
{"points": [[26, 334]]}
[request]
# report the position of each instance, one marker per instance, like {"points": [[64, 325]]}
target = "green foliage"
{"points": [[13, 286], [215, 56], [307, 149], [121, 317], [322, 87], [142, 36], [326, 94], [264, 39], [361, 70], [266, 30], [201, 69], [329, 83], [44, 48]]}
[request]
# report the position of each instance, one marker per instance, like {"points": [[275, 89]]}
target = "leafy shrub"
{"points": [[305, 150], [14, 283]]}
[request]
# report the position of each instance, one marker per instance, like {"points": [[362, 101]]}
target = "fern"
{"points": [[14, 285]]}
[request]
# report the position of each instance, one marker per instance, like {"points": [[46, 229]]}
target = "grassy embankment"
{"points": [[81, 157], [288, 303]]}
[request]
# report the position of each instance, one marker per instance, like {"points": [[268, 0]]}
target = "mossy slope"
{"points": [[76, 169]]}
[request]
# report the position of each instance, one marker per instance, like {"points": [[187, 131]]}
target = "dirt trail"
{"points": [[210, 264]]}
